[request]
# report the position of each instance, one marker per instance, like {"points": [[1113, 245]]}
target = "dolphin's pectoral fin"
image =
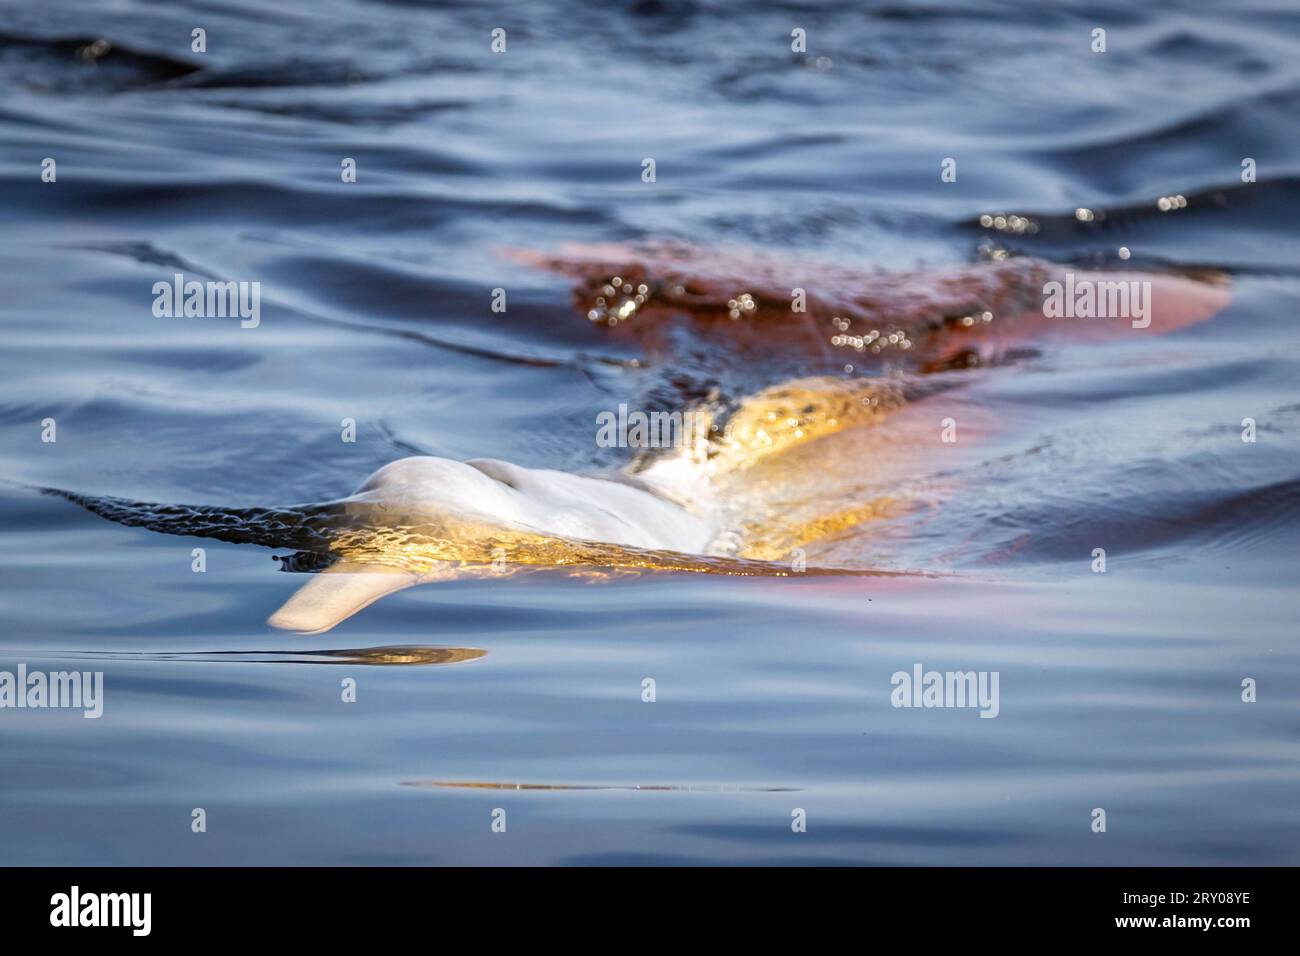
{"points": [[335, 594]]}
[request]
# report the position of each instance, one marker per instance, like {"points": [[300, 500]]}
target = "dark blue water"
{"points": [[1120, 691]]}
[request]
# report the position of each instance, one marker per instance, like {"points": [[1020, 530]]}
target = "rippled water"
{"points": [[524, 691]]}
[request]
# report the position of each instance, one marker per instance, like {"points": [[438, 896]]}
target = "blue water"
{"points": [[1119, 691]]}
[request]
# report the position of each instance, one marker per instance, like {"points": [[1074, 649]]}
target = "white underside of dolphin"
{"points": [[648, 512]]}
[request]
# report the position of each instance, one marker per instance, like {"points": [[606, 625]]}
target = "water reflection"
{"points": [[384, 656]]}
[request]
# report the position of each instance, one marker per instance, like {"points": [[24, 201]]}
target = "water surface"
{"points": [[1119, 690]]}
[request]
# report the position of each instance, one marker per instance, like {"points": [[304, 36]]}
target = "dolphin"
{"points": [[764, 482]]}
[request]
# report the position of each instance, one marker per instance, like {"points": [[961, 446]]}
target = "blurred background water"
{"points": [[1119, 691]]}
